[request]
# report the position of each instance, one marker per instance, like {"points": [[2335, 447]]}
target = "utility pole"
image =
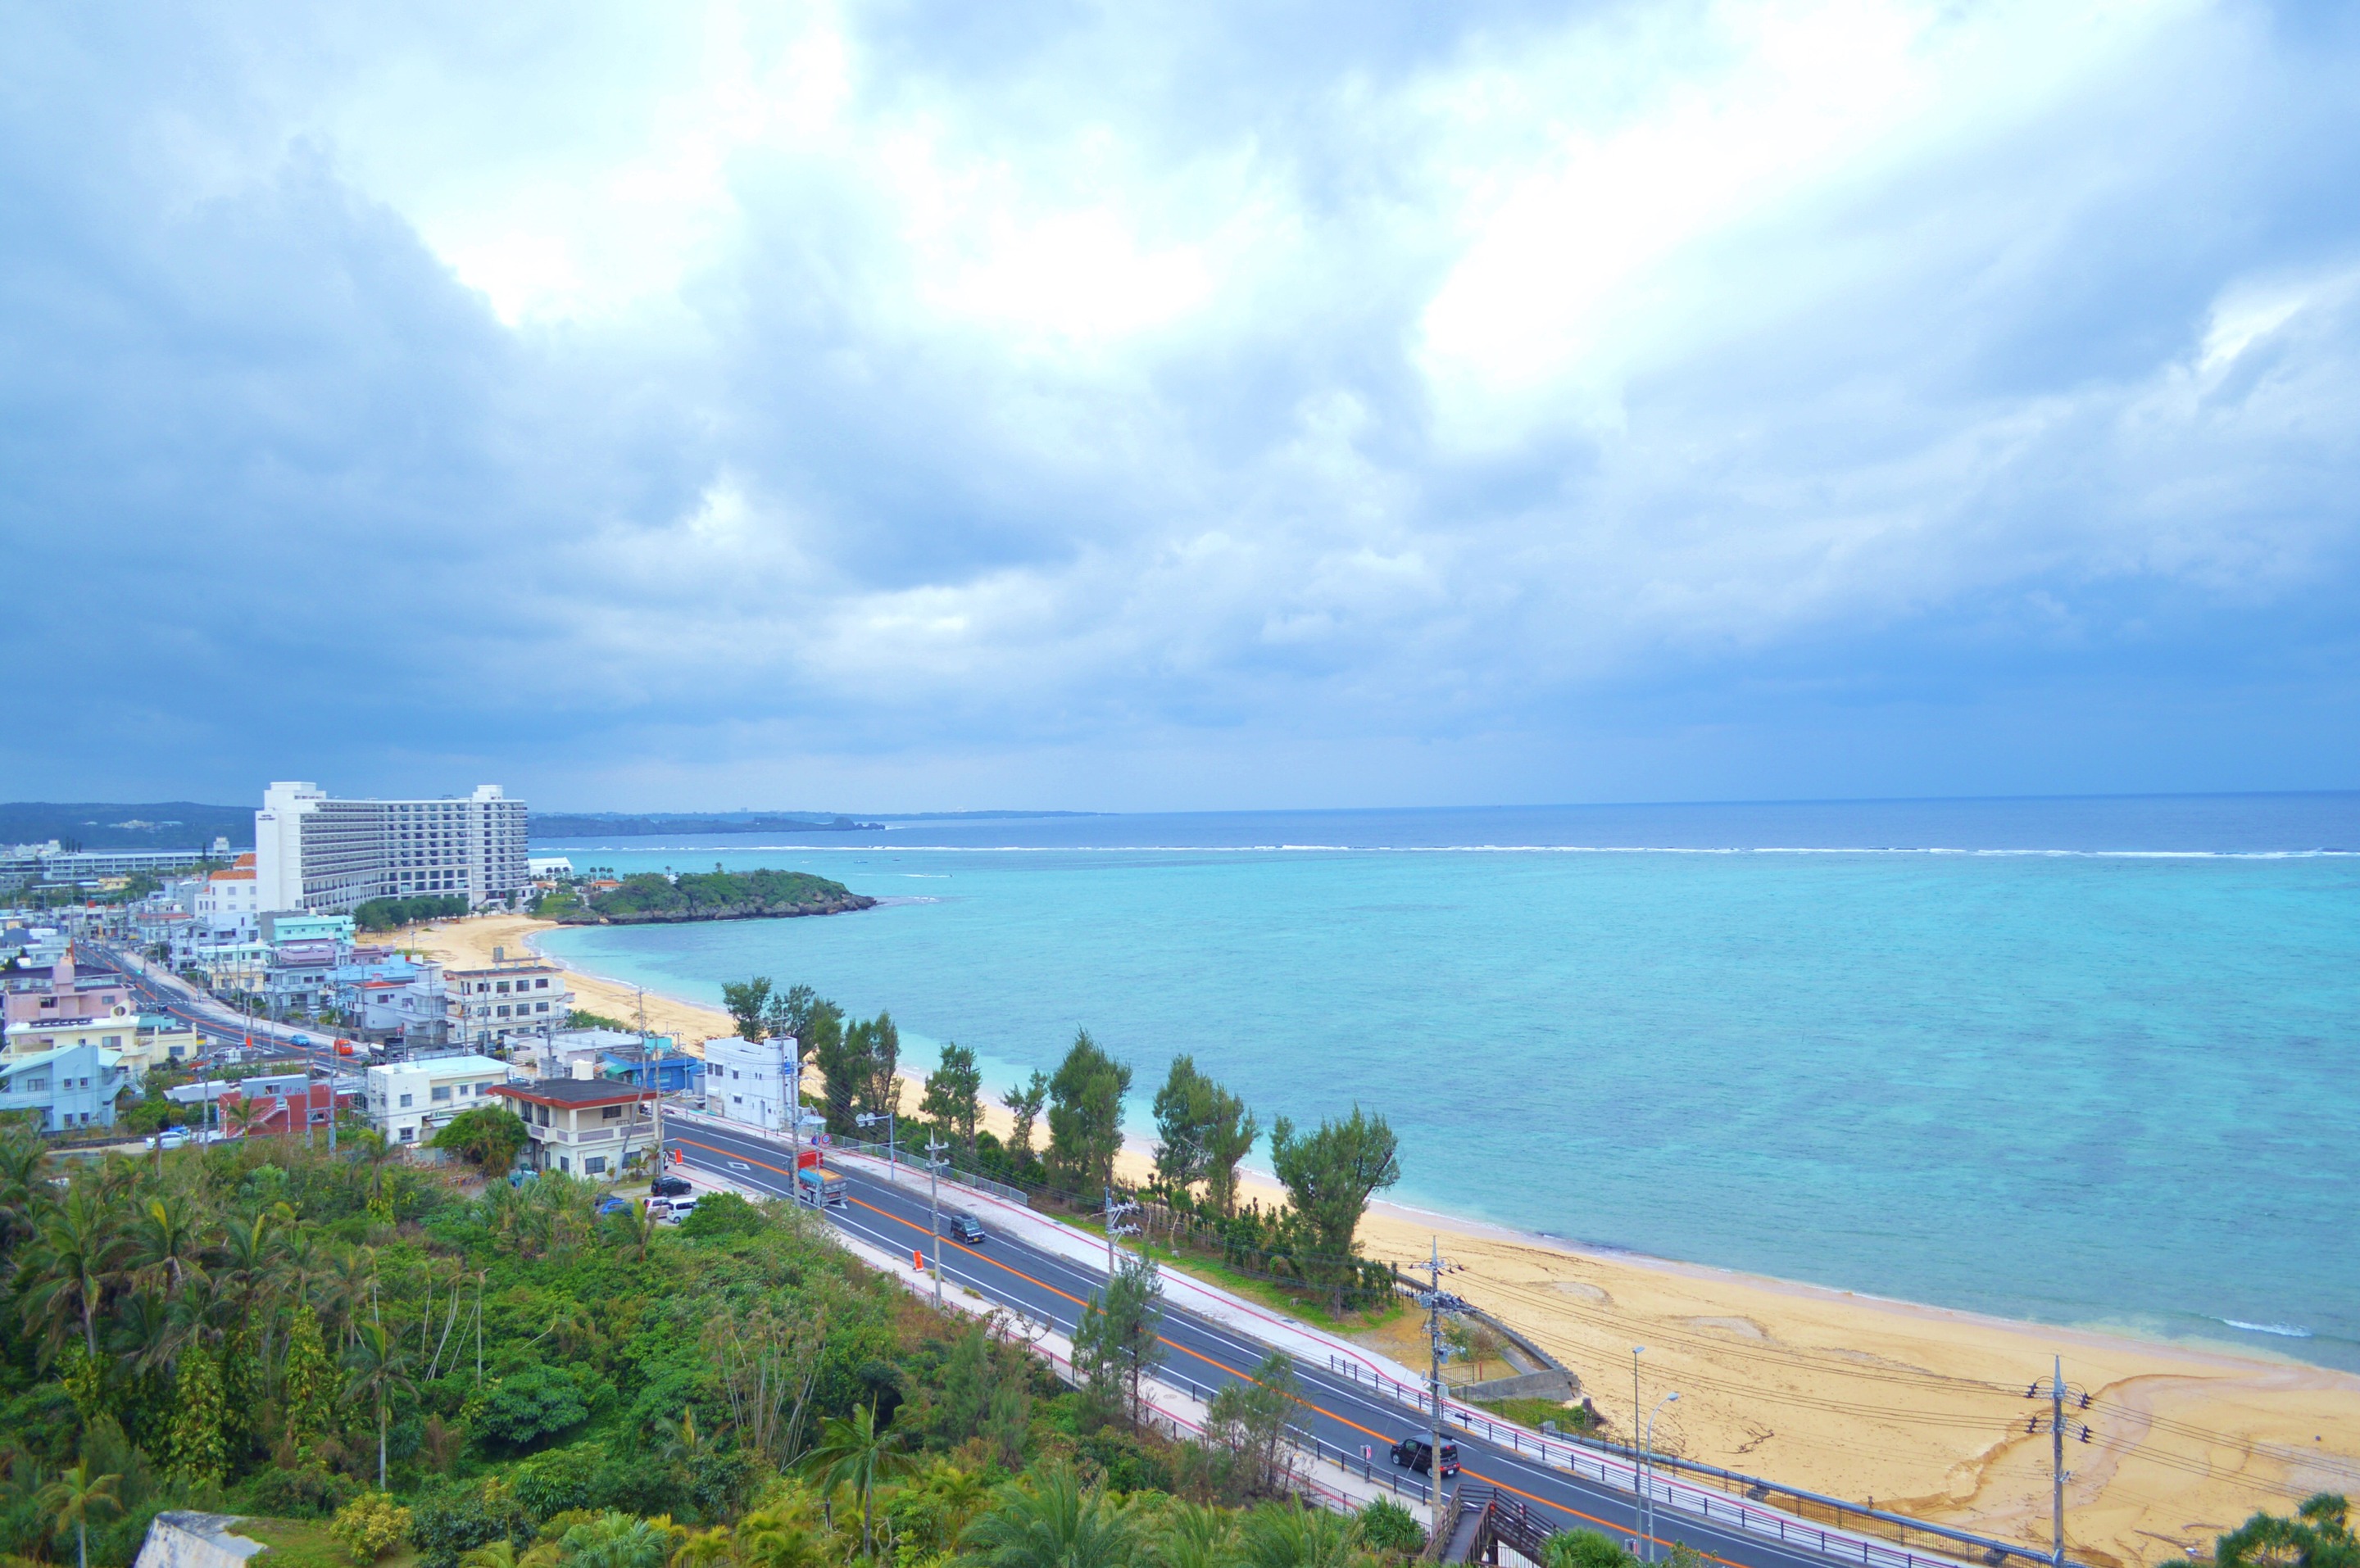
{"points": [[935, 1148], [2057, 1454], [1439, 1535], [794, 1103], [1109, 1227], [1638, 1471]]}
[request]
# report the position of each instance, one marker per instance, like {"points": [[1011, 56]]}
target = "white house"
{"points": [[409, 1101], [751, 1081]]}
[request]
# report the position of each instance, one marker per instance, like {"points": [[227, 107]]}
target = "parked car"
{"points": [[172, 1137], [1417, 1453], [669, 1187], [677, 1210], [611, 1205], [965, 1227]]}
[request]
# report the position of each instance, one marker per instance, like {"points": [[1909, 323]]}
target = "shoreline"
{"points": [[1917, 1406]]}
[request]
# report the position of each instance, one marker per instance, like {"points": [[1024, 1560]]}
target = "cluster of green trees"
{"points": [[391, 914], [1203, 1133], [513, 1379], [858, 1060]]}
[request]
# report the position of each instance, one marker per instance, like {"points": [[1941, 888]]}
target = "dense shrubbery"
{"points": [[258, 1327]]}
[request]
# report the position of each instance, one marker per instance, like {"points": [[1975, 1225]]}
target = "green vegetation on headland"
{"points": [[652, 899], [509, 1378]]}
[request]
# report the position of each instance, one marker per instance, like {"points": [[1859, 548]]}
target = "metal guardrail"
{"points": [[1579, 1457]]}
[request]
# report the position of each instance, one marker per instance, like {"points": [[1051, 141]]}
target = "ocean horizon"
{"points": [[2086, 1060]]}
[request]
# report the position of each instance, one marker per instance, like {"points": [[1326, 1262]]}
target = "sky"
{"points": [[931, 405]]}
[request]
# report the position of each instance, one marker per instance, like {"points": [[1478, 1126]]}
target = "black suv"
{"points": [[1416, 1452], [965, 1227], [669, 1187]]}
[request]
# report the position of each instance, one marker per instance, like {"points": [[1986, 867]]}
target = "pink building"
{"points": [[59, 996]]}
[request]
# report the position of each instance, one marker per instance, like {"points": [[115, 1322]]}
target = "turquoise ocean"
{"points": [[2084, 1061]]}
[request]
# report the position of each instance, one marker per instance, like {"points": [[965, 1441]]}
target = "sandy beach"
{"points": [[1912, 1408]]}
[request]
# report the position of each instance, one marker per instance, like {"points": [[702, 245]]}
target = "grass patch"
{"points": [[1532, 1412], [306, 1543], [1310, 1306]]}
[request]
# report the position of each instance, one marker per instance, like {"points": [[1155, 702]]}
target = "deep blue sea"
{"points": [[2092, 1061]]}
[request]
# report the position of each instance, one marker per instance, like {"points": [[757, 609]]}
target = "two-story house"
{"points": [[583, 1126], [70, 1086], [408, 1101]]}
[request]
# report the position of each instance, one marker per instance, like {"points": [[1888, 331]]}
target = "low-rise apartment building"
{"points": [[751, 1081], [408, 1101], [486, 1007], [583, 1126]]}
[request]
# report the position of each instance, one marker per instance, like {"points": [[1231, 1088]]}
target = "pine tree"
{"points": [[308, 1382], [199, 1453]]}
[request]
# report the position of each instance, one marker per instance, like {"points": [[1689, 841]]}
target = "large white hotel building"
{"points": [[324, 855]]}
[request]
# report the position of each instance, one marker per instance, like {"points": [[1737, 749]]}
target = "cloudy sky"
{"points": [[912, 406]]}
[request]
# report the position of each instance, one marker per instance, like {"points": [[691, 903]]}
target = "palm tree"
{"points": [[782, 1535], [854, 1452], [1195, 1536], [707, 1548], [1055, 1523], [167, 1241], [380, 1370], [72, 1497], [244, 1115], [73, 1257], [1286, 1535], [141, 1332], [504, 1554], [23, 1194], [351, 1277], [618, 1541]]}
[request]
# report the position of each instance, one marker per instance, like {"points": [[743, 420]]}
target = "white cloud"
{"points": [[922, 378]]}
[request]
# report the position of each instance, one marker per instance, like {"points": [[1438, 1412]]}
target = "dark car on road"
{"points": [[669, 1186], [1416, 1452], [963, 1226]]}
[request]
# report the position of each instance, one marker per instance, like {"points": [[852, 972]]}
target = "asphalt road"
{"points": [[219, 1025], [1339, 1414]]}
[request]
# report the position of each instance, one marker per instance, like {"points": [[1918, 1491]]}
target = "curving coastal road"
{"points": [[1339, 1413]]}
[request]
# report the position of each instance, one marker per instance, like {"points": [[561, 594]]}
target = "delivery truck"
{"points": [[820, 1187]]}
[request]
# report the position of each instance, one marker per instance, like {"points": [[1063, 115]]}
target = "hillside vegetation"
{"points": [[258, 1329]]}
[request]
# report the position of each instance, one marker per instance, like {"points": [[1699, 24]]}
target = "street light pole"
{"points": [[1438, 1536], [935, 1148], [1646, 1487]]}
